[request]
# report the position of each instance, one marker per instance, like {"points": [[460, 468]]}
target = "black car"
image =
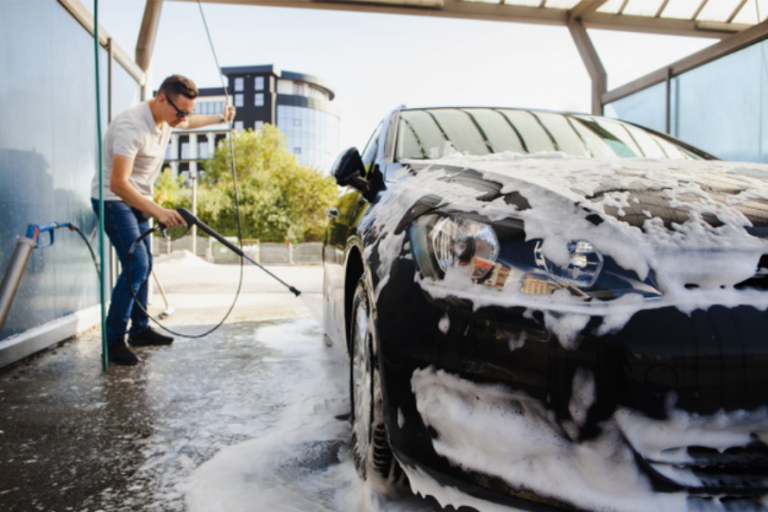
{"points": [[552, 310]]}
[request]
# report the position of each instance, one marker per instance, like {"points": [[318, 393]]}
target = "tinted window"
{"points": [[534, 137], [371, 149], [562, 132], [497, 129], [432, 133]]}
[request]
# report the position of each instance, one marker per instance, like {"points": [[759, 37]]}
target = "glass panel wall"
{"points": [[720, 107], [48, 150], [646, 108], [717, 106]]}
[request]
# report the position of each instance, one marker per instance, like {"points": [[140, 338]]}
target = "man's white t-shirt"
{"points": [[134, 134]]}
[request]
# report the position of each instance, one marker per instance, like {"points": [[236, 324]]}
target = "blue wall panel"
{"points": [[48, 147], [764, 101], [721, 107], [717, 106], [646, 108]]}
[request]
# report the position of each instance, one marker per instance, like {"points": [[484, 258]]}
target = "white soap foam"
{"points": [[496, 431], [715, 259]]}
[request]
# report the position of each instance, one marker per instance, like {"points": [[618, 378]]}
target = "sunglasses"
{"points": [[181, 114]]}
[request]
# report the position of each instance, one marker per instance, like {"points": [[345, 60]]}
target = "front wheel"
{"points": [[373, 456]]}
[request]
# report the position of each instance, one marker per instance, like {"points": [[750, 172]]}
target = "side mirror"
{"points": [[348, 170]]}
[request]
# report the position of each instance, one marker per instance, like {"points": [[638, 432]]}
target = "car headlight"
{"points": [[441, 243], [583, 268], [499, 254]]}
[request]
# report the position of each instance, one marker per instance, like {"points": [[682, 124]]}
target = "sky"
{"points": [[376, 62]]}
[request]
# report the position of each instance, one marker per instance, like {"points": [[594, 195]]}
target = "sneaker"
{"points": [[121, 355], [149, 337]]}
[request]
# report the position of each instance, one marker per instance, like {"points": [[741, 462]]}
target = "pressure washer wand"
{"points": [[191, 220]]}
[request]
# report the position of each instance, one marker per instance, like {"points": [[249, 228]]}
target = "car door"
{"points": [[342, 228]]}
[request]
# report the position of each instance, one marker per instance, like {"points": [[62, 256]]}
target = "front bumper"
{"points": [[681, 377]]}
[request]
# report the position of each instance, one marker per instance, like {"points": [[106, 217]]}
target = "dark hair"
{"points": [[177, 84]]}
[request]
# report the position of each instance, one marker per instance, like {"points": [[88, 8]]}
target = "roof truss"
{"points": [[592, 13]]}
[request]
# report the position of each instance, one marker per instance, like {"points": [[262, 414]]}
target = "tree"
{"points": [[279, 199], [170, 192]]}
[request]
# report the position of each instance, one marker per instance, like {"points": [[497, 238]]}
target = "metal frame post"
{"points": [[591, 61], [668, 102]]}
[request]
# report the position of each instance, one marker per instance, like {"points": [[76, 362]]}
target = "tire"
{"points": [[373, 456]]}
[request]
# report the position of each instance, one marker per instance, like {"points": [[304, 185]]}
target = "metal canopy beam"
{"points": [[508, 13], [585, 7], [666, 26], [592, 62], [148, 33]]}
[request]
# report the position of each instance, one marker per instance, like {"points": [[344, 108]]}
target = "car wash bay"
{"points": [[76, 439]]}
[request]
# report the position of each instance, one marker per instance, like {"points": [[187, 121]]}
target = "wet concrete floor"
{"points": [[75, 438], [251, 418]]}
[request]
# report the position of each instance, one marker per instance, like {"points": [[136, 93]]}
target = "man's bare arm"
{"points": [[119, 184], [198, 121]]}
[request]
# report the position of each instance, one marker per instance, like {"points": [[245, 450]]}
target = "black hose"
{"points": [[137, 303], [76, 229]]}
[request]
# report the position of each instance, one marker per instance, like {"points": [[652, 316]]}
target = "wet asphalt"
{"points": [[73, 437]]}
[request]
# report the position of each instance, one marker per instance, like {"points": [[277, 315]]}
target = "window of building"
{"points": [[185, 150], [300, 89], [258, 83], [259, 100], [297, 122], [202, 149], [238, 125], [239, 84], [314, 92], [258, 125], [238, 100], [296, 151]]}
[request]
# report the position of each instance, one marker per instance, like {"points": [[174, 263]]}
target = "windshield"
{"points": [[434, 133]]}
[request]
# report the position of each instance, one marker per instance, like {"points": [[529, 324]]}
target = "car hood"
{"points": [[631, 191], [646, 214]]}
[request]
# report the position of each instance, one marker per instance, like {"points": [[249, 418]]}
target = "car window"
{"points": [[419, 136], [597, 145], [566, 139], [648, 145], [500, 134], [433, 133], [533, 134], [371, 149], [615, 135], [461, 131]]}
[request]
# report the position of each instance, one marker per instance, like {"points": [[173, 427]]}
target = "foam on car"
{"points": [[696, 263], [495, 431]]}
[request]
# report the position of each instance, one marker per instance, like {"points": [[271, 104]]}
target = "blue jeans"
{"points": [[123, 229]]}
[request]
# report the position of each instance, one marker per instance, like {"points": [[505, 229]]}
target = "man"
{"points": [[134, 150]]}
